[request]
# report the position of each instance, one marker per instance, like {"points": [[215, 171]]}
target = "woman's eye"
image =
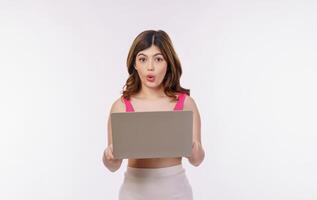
{"points": [[141, 59], [159, 59]]}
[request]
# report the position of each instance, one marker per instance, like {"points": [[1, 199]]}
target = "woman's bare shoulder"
{"points": [[118, 105], [189, 103]]}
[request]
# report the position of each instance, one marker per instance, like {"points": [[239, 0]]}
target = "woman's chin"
{"points": [[152, 85]]}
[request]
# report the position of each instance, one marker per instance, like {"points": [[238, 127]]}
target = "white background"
{"points": [[250, 65]]}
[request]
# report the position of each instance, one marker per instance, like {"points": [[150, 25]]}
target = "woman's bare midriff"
{"points": [[154, 162]]}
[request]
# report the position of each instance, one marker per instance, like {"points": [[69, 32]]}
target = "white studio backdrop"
{"points": [[250, 65]]}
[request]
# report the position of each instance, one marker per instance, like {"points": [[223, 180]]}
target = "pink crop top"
{"points": [[179, 104]]}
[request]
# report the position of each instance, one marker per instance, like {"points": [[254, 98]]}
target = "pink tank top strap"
{"points": [[180, 103], [128, 105]]}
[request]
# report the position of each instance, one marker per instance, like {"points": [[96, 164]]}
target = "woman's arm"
{"points": [[108, 160], [198, 153]]}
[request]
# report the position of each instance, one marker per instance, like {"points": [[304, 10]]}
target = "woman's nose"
{"points": [[150, 66]]}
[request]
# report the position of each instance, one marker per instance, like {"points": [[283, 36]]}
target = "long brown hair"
{"points": [[171, 81]]}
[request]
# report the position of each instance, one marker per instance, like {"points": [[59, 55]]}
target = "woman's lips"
{"points": [[150, 78]]}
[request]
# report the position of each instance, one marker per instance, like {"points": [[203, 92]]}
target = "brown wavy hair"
{"points": [[171, 81]]}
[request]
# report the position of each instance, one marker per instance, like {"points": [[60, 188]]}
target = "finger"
{"points": [[193, 144], [111, 151], [111, 155], [105, 153], [108, 155]]}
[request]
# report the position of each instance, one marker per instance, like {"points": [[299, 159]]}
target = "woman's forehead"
{"points": [[151, 51]]}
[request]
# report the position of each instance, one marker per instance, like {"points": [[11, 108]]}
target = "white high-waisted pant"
{"points": [[168, 183]]}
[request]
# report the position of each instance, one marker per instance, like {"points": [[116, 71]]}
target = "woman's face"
{"points": [[151, 66]]}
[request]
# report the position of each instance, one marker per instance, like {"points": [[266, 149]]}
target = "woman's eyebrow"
{"points": [[142, 54], [158, 54]]}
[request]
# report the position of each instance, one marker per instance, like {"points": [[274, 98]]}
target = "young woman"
{"points": [[154, 85]]}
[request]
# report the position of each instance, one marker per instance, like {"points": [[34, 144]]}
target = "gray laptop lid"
{"points": [[156, 134]]}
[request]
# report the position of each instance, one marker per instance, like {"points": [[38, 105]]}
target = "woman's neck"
{"points": [[151, 93]]}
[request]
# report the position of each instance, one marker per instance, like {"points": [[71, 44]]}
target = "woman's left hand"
{"points": [[195, 147], [197, 154]]}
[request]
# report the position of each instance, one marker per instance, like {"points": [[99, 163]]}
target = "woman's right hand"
{"points": [[108, 155]]}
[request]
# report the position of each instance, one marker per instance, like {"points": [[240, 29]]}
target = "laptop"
{"points": [[155, 134]]}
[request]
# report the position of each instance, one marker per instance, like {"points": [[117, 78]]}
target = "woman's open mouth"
{"points": [[150, 78]]}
